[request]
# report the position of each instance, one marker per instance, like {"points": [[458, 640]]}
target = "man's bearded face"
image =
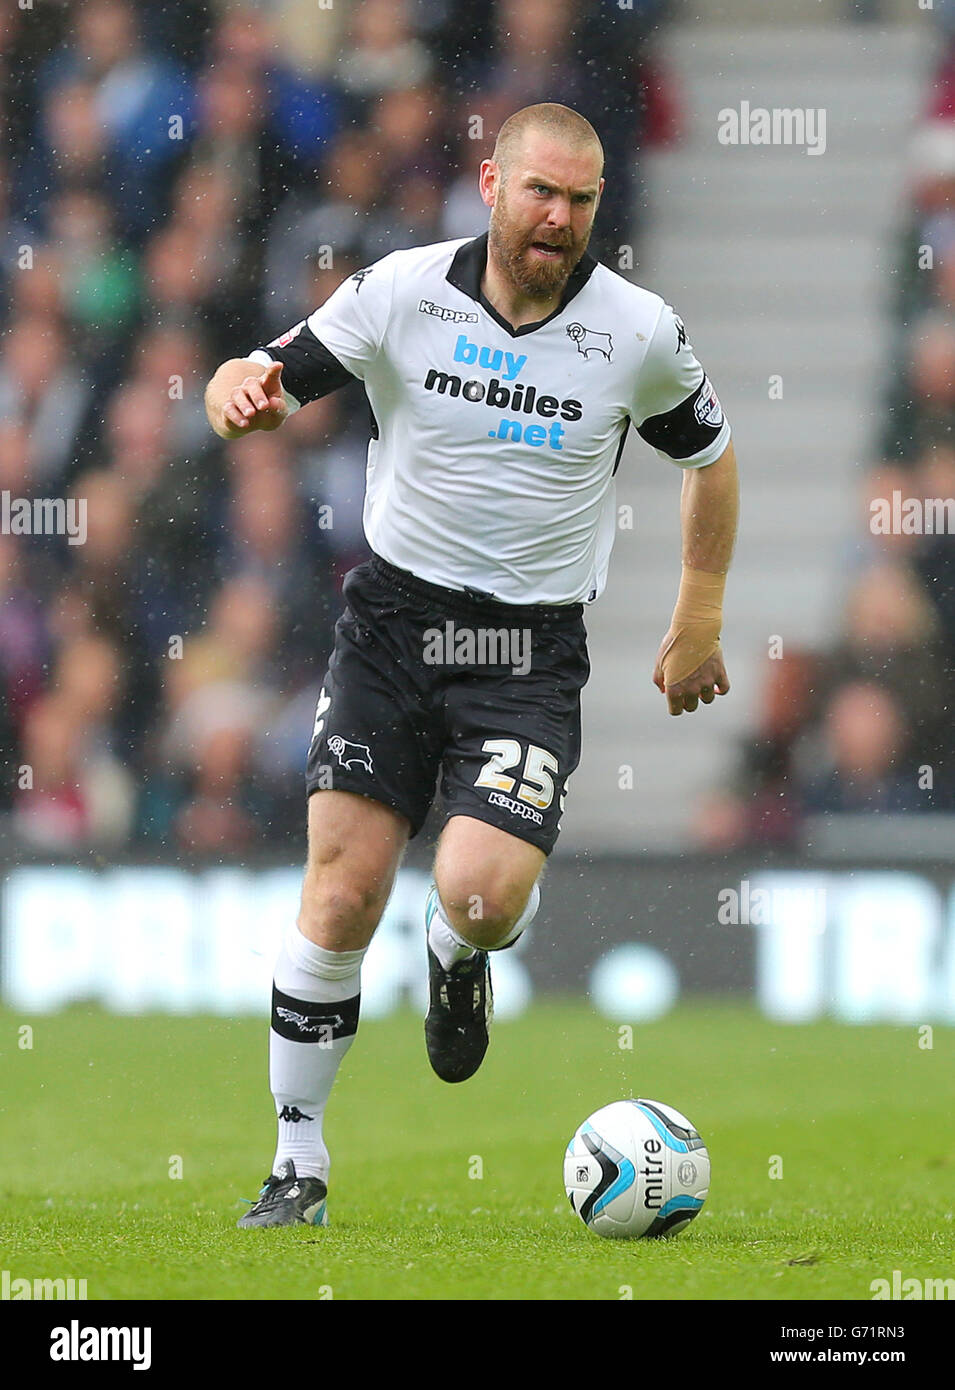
{"points": [[536, 257]]}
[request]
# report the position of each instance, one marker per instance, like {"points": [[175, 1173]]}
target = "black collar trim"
{"points": [[467, 271]]}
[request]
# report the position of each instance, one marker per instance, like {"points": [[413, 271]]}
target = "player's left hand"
{"points": [[705, 683]]}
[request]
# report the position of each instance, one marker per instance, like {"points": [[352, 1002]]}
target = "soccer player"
{"points": [[503, 375]]}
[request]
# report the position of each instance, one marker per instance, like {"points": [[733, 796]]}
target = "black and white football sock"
{"points": [[315, 1003], [450, 948]]}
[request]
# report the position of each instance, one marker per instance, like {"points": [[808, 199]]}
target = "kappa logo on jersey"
{"points": [[347, 752], [286, 338], [359, 277], [707, 408], [680, 333], [588, 341], [425, 306]]}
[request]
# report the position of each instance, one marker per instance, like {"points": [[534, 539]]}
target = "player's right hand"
{"points": [[257, 403]]}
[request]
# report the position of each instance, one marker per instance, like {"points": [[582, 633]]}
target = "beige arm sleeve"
{"points": [[696, 624]]}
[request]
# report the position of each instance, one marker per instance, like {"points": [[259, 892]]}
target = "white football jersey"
{"points": [[494, 449]]}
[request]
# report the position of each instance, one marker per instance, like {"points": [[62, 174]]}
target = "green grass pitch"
{"points": [[94, 1115]]}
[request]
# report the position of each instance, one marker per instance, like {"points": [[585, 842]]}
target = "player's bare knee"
{"points": [[339, 914], [482, 918]]}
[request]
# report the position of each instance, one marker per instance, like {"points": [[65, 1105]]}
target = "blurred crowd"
{"points": [[178, 184], [865, 726]]}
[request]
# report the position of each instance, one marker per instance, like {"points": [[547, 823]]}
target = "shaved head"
{"points": [[543, 185], [548, 118]]}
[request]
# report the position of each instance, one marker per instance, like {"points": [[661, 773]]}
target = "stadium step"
{"points": [[781, 263]]}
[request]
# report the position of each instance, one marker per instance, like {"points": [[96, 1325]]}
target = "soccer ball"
{"points": [[636, 1168]]}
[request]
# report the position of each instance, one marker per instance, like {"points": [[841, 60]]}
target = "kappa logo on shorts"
{"points": [[516, 808], [321, 709], [347, 752]]}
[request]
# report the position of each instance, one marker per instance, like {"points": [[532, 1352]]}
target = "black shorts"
{"points": [[426, 681]]}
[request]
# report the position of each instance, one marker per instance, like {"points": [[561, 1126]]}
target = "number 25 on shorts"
{"points": [[537, 785]]}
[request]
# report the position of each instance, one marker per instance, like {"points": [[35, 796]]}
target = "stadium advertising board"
{"points": [[859, 945]]}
